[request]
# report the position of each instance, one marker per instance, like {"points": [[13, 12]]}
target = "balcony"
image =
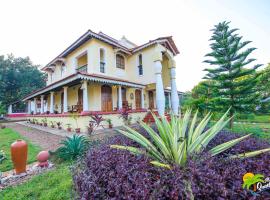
{"points": [[82, 69]]}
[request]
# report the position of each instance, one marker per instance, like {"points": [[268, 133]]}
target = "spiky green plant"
{"points": [[179, 138], [72, 147]]}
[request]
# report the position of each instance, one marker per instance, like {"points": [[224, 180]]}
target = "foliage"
{"points": [[59, 124], [94, 123], [75, 116], [124, 115], [18, 77], [2, 156], [55, 184], [72, 147], [264, 82], [179, 139], [233, 82], [7, 137], [2, 109], [108, 173]]}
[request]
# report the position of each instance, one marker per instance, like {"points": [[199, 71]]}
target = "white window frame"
{"points": [[138, 63], [104, 57], [63, 72], [125, 60]]}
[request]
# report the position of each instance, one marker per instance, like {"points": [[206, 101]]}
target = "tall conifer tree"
{"points": [[234, 82]]}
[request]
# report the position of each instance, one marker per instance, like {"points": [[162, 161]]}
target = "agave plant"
{"points": [[179, 138], [73, 147]]}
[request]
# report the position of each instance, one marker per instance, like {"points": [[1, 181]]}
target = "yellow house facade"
{"points": [[98, 74]]}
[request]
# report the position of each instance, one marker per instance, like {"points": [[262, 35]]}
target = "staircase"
{"points": [[150, 119]]}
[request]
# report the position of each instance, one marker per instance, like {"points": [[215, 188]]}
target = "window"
{"points": [[50, 74], [102, 60], [120, 61], [63, 69], [140, 67]]}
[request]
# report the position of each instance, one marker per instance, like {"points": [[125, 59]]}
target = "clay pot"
{"points": [[69, 129], [19, 156], [77, 130], [42, 158]]}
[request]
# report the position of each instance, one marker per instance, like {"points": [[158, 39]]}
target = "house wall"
{"points": [[130, 73], [83, 121]]}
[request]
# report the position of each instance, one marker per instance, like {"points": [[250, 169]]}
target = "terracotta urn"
{"points": [[42, 158], [19, 155]]}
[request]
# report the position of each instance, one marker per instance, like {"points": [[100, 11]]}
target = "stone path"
{"points": [[45, 140]]}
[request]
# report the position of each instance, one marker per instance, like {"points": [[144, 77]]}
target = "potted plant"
{"points": [[59, 125], [75, 116], [45, 122], [94, 123], [90, 128], [109, 123], [52, 124], [68, 127]]}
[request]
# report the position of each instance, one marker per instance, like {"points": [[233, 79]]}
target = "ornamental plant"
{"points": [[180, 138], [72, 147]]}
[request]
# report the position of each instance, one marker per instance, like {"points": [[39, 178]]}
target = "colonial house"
{"points": [[99, 74]]}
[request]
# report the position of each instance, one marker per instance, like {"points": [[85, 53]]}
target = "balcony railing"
{"points": [[102, 67], [82, 68]]}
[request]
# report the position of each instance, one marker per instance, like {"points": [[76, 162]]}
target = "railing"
{"points": [[82, 68], [102, 67]]}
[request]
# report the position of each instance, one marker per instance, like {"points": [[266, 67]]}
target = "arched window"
{"points": [[102, 60], [140, 65], [120, 61]]}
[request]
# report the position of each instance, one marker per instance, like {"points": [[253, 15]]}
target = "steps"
{"points": [[150, 119]]}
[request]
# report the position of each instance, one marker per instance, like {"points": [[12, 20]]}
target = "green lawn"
{"points": [[255, 118], [261, 130], [53, 185], [7, 137]]}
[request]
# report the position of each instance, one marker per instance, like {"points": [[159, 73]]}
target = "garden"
{"points": [[216, 148]]}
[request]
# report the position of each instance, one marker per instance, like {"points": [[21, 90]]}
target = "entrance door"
{"points": [[151, 99], [138, 99], [79, 106], [106, 98]]}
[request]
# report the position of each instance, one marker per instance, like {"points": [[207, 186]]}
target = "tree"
{"points": [[263, 87], [233, 81], [18, 77]]}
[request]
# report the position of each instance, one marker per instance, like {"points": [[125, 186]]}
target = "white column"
{"points": [[29, 106], [160, 97], [142, 99], [169, 100], [35, 105], [10, 109], [65, 103], [42, 104], [174, 93], [120, 97], [52, 103], [85, 96]]}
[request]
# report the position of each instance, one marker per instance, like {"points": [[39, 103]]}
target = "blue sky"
{"points": [[42, 29]]}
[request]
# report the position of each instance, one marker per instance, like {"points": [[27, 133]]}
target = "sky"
{"points": [[43, 29]]}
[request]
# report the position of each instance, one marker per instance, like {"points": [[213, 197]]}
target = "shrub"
{"points": [[94, 123], [180, 138], [108, 173], [73, 147]]}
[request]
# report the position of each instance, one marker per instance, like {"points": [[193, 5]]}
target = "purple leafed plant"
{"points": [[108, 173]]}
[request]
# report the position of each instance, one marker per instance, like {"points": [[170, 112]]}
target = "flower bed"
{"points": [[110, 173]]}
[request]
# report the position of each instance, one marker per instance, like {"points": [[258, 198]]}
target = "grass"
{"points": [[7, 137], [261, 130], [254, 118], [56, 185]]}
